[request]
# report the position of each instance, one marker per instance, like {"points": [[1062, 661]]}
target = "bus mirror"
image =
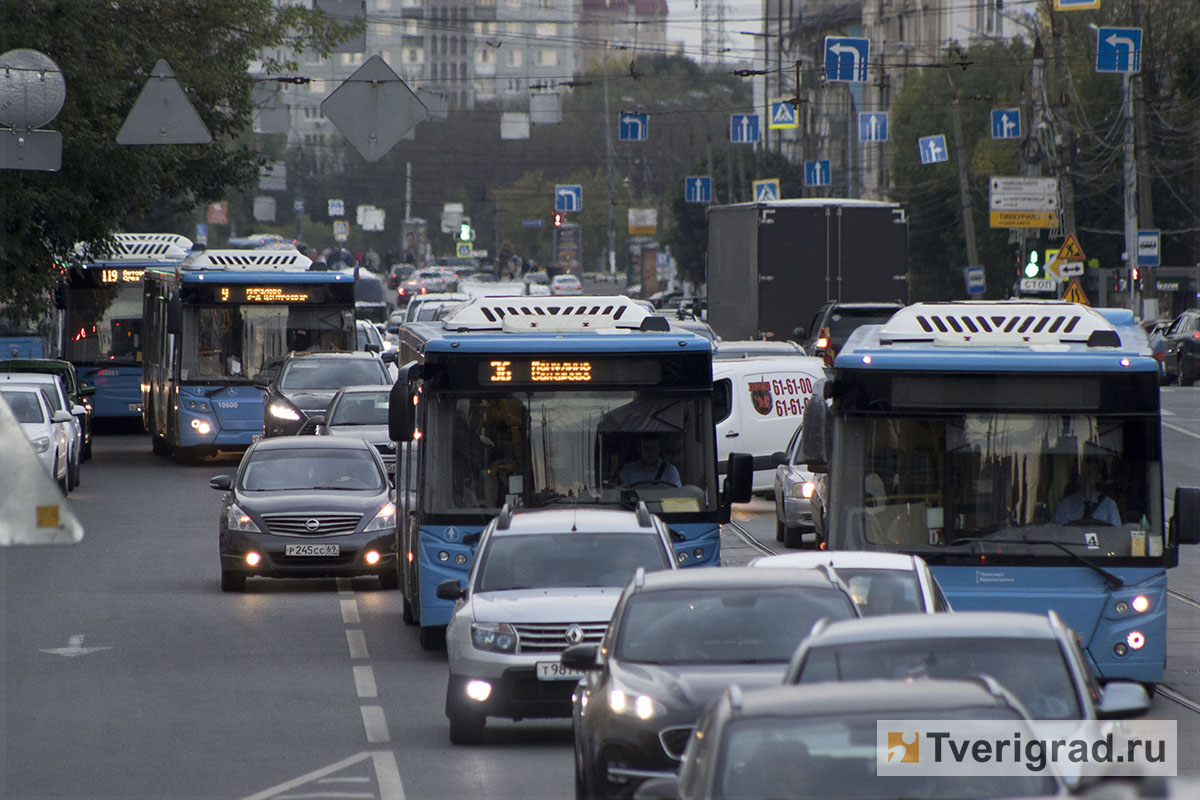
{"points": [[402, 410], [739, 478], [815, 434], [1185, 522], [175, 314]]}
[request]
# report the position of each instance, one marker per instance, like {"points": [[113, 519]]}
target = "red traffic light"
{"points": [[558, 220]]}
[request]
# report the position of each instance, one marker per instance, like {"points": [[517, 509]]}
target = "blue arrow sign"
{"points": [[697, 189], [743, 128], [568, 197], [1006, 123], [783, 115], [1119, 50], [816, 173], [846, 58], [933, 149], [634, 127], [872, 126]]}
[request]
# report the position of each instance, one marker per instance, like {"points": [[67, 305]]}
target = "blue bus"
{"points": [[217, 323], [102, 320], [1016, 447], [543, 401]]}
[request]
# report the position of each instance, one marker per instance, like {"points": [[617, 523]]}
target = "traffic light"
{"points": [[465, 234], [1031, 269], [558, 220]]}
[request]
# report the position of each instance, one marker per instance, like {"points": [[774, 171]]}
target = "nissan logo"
{"points": [[312, 524], [574, 634]]}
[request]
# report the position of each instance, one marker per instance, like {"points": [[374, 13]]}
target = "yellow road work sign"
{"points": [[1075, 294]]}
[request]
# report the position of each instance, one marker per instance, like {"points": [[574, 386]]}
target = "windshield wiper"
{"points": [[1113, 581]]}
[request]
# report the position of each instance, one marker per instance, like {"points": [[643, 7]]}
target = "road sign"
{"points": [[976, 280], [298, 205], [532, 223], [337, 208], [767, 190], [1075, 5], [697, 189], [846, 59], [1118, 50], [341, 230], [463, 249], [1148, 243], [32, 92], [783, 115], [1006, 123], [633, 127], [1070, 269], [816, 173], [933, 149], [743, 128], [643, 221], [1074, 293], [1038, 286], [568, 197], [1023, 202], [374, 108], [1070, 250], [872, 126], [162, 113]]}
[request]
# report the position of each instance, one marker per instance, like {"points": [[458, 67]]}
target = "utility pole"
{"points": [[1145, 198], [1064, 136], [964, 189], [608, 150], [1130, 180], [1034, 140]]}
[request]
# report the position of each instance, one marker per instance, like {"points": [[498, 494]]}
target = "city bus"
{"points": [[533, 402], [1016, 447], [102, 320], [213, 324]]}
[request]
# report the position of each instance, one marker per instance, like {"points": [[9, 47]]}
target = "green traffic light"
{"points": [[1032, 270]]}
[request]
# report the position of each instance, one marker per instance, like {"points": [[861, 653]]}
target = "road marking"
{"points": [[349, 611], [312, 777], [1184, 431], [357, 642], [387, 775], [745, 536], [375, 724], [74, 648], [1171, 694], [1183, 597], [364, 682]]}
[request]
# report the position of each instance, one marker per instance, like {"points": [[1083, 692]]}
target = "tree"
{"points": [[106, 52]]}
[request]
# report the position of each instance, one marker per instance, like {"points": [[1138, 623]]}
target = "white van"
{"points": [[757, 403]]}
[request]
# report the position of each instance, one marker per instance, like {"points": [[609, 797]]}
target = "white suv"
{"points": [[541, 581]]}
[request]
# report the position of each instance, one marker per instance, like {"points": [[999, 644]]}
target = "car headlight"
{"points": [[283, 411], [495, 637], [385, 519], [41, 444], [238, 520], [804, 490], [642, 706]]}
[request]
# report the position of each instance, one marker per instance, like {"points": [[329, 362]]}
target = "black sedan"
{"points": [[307, 507], [305, 383], [676, 640]]}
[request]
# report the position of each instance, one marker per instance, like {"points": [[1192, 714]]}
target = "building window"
{"points": [[415, 55], [352, 59], [513, 58], [546, 58], [317, 86], [383, 5], [547, 30]]}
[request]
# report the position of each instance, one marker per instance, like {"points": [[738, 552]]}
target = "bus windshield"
{"points": [[535, 449], [238, 342], [1036, 485], [104, 325]]}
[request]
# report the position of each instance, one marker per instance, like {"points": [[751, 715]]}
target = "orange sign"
{"points": [[1070, 250], [1075, 294]]}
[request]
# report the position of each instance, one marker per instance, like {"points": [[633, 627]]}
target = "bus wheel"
{"points": [[407, 614], [159, 446], [432, 637]]}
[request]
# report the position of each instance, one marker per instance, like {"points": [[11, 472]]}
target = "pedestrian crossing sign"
{"points": [[463, 249], [766, 191], [783, 115], [1075, 294]]}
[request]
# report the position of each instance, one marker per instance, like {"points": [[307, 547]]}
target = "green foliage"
{"points": [[106, 52]]}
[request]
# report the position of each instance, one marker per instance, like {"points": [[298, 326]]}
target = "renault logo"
{"points": [[574, 634], [312, 524]]}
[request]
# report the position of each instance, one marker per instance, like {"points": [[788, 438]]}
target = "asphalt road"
{"points": [[128, 673]]}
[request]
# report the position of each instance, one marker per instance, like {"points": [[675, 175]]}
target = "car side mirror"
{"points": [[815, 434], [371, 347], [798, 332], [579, 656], [87, 391], [739, 478], [389, 357], [62, 415], [259, 382], [666, 788], [78, 410], [1185, 521], [221, 482], [450, 590], [779, 458], [1122, 699]]}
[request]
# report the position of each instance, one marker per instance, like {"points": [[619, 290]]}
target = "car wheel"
{"points": [[64, 483], [87, 450], [582, 791], [1186, 375], [74, 475], [793, 538], [780, 531], [432, 637], [232, 581], [466, 727], [389, 580]]}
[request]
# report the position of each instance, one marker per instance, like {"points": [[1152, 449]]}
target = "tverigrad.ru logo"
{"points": [[903, 748]]}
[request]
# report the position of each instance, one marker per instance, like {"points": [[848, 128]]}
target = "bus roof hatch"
{"points": [[999, 324], [549, 314]]}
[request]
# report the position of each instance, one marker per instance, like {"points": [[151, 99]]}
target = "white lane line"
{"points": [[1184, 431], [364, 682], [344, 780], [326, 796], [349, 611], [387, 775], [1162, 412], [277, 790], [357, 642], [375, 724]]}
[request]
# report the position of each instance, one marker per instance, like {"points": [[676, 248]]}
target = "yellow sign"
{"points": [[1074, 294], [1023, 219], [1070, 250], [463, 249]]}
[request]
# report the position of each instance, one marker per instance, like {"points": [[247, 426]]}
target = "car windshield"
{"points": [[575, 559], [360, 408], [834, 758], [1032, 669], [24, 405], [330, 373], [239, 342], [844, 321], [883, 591], [104, 325], [290, 470], [720, 625]]}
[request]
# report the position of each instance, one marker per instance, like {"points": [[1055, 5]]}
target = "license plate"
{"points": [[135, 406], [391, 468], [254, 437], [310, 550], [555, 671]]}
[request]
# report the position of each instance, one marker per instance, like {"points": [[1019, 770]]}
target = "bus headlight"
{"points": [[496, 637], [238, 520], [202, 427], [1136, 640], [283, 411], [384, 520], [1141, 604]]}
